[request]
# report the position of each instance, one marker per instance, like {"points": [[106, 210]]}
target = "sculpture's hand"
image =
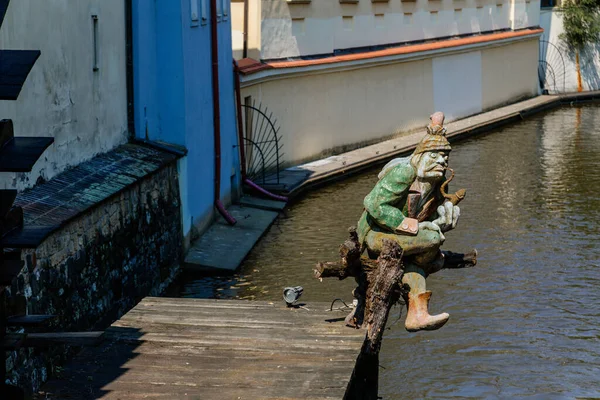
{"points": [[448, 216], [432, 226]]}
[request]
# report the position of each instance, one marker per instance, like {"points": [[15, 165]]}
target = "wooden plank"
{"points": [[205, 303], [6, 131], [262, 332], [143, 390], [69, 338], [215, 349], [21, 153], [3, 8], [7, 198], [15, 66], [275, 317], [29, 320]]}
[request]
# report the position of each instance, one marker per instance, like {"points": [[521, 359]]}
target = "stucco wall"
{"points": [[322, 113], [322, 26], [562, 67], [84, 110], [174, 99], [509, 72]]}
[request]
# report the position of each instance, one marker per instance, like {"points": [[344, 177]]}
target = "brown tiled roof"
{"points": [[253, 66], [249, 66]]}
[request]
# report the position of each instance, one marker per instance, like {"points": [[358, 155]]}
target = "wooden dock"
{"points": [[167, 348]]}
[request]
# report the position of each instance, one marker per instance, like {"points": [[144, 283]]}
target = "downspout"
{"points": [[217, 111], [245, 51], [129, 67], [238, 98]]}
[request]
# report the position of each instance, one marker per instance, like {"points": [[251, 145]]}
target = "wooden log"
{"points": [[331, 270], [363, 384], [350, 264], [460, 260], [29, 320], [13, 341], [338, 270]]}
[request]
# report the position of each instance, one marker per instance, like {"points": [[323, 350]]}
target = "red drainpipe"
{"points": [[217, 111], [238, 98]]}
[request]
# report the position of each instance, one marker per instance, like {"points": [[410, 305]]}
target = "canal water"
{"points": [[524, 323]]}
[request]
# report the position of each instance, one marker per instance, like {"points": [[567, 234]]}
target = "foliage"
{"points": [[581, 20]]}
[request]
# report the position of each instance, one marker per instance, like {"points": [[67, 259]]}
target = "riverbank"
{"points": [[298, 179]]}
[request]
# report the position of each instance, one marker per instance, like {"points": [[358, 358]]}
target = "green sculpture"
{"points": [[409, 206]]}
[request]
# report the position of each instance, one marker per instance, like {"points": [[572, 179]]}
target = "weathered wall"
{"points": [[84, 110], [322, 26], [561, 73], [317, 118], [99, 266]]}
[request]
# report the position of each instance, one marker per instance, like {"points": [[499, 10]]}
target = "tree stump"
{"points": [[379, 288], [380, 297]]}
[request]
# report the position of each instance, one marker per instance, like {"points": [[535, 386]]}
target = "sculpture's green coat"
{"points": [[386, 205]]}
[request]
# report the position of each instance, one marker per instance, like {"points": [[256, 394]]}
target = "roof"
{"points": [[250, 66]]}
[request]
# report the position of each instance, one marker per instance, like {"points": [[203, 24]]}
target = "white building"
{"points": [[339, 74], [77, 89]]}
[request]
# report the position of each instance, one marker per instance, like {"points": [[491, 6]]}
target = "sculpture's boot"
{"points": [[417, 317]]}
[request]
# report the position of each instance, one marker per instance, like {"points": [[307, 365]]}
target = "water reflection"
{"points": [[525, 322]]}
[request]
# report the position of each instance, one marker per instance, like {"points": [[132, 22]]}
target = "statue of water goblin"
{"points": [[409, 206]]}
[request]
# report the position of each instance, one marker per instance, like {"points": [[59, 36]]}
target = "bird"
{"points": [[292, 294]]}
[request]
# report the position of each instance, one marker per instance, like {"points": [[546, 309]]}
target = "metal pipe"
{"points": [[245, 50], [129, 67], [217, 111], [240, 124]]}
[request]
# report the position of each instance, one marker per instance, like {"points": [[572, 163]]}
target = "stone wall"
{"points": [[98, 267]]}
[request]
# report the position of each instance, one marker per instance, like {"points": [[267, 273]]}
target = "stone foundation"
{"points": [[97, 267]]}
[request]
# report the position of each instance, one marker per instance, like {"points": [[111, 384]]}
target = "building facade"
{"points": [[173, 97], [342, 74], [125, 88]]}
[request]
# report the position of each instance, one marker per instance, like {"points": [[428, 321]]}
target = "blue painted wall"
{"points": [[173, 97]]}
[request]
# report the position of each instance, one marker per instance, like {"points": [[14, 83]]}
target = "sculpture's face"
{"points": [[432, 165]]}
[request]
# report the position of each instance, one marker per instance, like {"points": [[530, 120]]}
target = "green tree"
{"points": [[581, 20]]}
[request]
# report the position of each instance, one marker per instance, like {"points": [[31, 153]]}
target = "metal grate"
{"points": [[551, 68], [262, 145]]}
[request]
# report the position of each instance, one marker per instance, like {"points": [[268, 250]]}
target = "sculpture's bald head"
{"points": [[437, 118]]}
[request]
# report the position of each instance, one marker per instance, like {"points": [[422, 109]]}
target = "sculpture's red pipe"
{"points": [[238, 98], [217, 111]]}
